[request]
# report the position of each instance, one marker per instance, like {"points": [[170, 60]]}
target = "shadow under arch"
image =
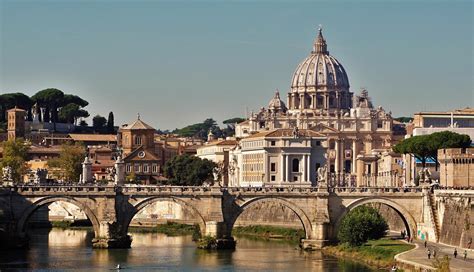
{"points": [[141, 205], [407, 218], [21, 227], [290, 205]]}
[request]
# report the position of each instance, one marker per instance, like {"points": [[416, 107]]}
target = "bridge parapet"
{"points": [[375, 190], [54, 190]]}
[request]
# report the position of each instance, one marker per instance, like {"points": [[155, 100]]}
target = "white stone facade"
{"points": [[280, 157], [319, 100]]}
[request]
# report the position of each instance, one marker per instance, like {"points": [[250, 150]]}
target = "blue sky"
{"points": [[177, 63]]}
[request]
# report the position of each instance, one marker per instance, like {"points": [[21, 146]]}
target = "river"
{"points": [[68, 249]]}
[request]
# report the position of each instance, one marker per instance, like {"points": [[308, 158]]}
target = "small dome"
{"points": [[276, 104], [320, 70]]}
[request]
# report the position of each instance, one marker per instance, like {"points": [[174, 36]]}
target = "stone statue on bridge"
{"points": [[40, 175], [425, 175], [7, 173], [322, 176]]}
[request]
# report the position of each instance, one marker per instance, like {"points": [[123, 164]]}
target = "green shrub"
{"points": [[360, 225]]}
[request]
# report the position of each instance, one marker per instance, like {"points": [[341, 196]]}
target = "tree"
{"points": [[230, 130], [69, 161], [51, 99], [110, 123], [186, 170], [200, 130], [70, 98], [11, 100], [15, 153], [71, 113], [424, 147], [360, 225], [98, 123], [404, 119], [68, 113]]}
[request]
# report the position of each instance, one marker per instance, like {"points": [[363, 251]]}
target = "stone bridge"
{"points": [[111, 208]]}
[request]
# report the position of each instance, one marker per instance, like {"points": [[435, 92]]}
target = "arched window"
{"points": [[138, 140], [296, 165]]}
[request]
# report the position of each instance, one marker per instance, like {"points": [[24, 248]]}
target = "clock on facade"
{"points": [[141, 154]]}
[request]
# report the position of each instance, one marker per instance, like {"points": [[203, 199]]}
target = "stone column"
{"points": [[308, 168], [302, 101], [287, 168], [119, 171], [86, 170], [303, 177], [354, 157], [360, 172], [338, 155], [282, 167]]}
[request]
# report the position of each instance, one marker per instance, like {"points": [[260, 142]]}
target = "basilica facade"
{"points": [[351, 130]]}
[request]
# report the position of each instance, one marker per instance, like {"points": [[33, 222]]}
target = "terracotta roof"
{"points": [[16, 109], [99, 149], [43, 149], [94, 137], [285, 132], [138, 124], [221, 142]]}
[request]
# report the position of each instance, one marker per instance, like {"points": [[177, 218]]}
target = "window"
{"points": [[154, 168], [273, 143], [146, 168], [295, 178], [296, 165], [272, 177], [273, 167], [136, 167], [318, 143], [138, 140], [379, 124], [128, 168]]}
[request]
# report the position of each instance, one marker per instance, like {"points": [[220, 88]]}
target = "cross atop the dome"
{"points": [[320, 44]]}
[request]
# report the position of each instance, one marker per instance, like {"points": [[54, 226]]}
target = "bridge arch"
{"points": [[407, 218], [26, 214], [188, 207], [305, 221]]}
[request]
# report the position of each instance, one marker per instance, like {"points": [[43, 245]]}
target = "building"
{"points": [[16, 123], [460, 121], [278, 157], [94, 139], [320, 100], [137, 142], [218, 152], [456, 167]]}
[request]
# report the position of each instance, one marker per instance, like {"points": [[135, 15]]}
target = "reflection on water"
{"points": [[59, 249]]}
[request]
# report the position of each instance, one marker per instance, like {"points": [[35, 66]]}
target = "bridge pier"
{"points": [[111, 236], [221, 234], [318, 237]]}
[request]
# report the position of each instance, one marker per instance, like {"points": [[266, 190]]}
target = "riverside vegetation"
{"points": [[377, 253], [269, 232], [361, 238]]}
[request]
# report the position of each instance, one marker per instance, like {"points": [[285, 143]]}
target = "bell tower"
{"points": [[16, 123]]}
